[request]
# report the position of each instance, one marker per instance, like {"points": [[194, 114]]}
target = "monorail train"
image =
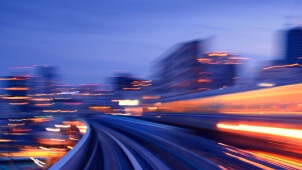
{"points": [[285, 99]]}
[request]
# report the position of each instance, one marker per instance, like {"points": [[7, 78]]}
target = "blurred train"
{"points": [[278, 100]]}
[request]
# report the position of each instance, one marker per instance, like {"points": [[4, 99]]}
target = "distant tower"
{"points": [[47, 78], [293, 44]]}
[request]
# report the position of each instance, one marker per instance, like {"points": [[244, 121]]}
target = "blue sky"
{"points": [[89, 40]]}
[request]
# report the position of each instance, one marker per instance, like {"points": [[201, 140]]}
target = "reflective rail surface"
{"points": [[159, 142]]}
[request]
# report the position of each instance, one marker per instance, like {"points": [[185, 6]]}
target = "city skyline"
{"points": [[88, 41], [153, 84]]}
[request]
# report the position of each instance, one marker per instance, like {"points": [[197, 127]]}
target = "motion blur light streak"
{"points": [[52, 129], [16, 88], [5, 140], [62, 126], [44, 148], [24, 67], [43, 104], [222, 167], [37, 162], [82, 129], [250, 162], [293, 133], [40, 161], [69, 147], [284, 162], [279, 160], [14, 78], [16, 124], [128, 102], [22, 103], [282, 66], [15, 97], [218, 54], [60, 111], [42, 99], [73, 139], [59, 140], [265, 84], [267, 101]]}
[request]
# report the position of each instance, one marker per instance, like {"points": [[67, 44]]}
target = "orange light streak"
{"points": [[13, 78], [42, 99], [280, 160], [150, 97], [59, 140], [285, 132], [204, 80], [222, 167], [218, 54], [23, 103], [250, 162], [5, 140], [43, 104], [16, 88], [15, 97], [99, 107], [282, 66]]}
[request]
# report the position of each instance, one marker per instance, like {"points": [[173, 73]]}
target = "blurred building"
{"points": [[294, 45], [280, 74], [217, 70], [45, 81], [178, 71], [287, 69], [126, 86], [189, 69], [128, 92], [124, 82]]}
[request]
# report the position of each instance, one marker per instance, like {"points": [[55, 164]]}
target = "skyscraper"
{"points": [[289, 67], [177, 72], [189, 69], [294, 45]]}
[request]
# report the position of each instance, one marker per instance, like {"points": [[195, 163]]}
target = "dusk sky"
{"points": [[89, 40]]}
